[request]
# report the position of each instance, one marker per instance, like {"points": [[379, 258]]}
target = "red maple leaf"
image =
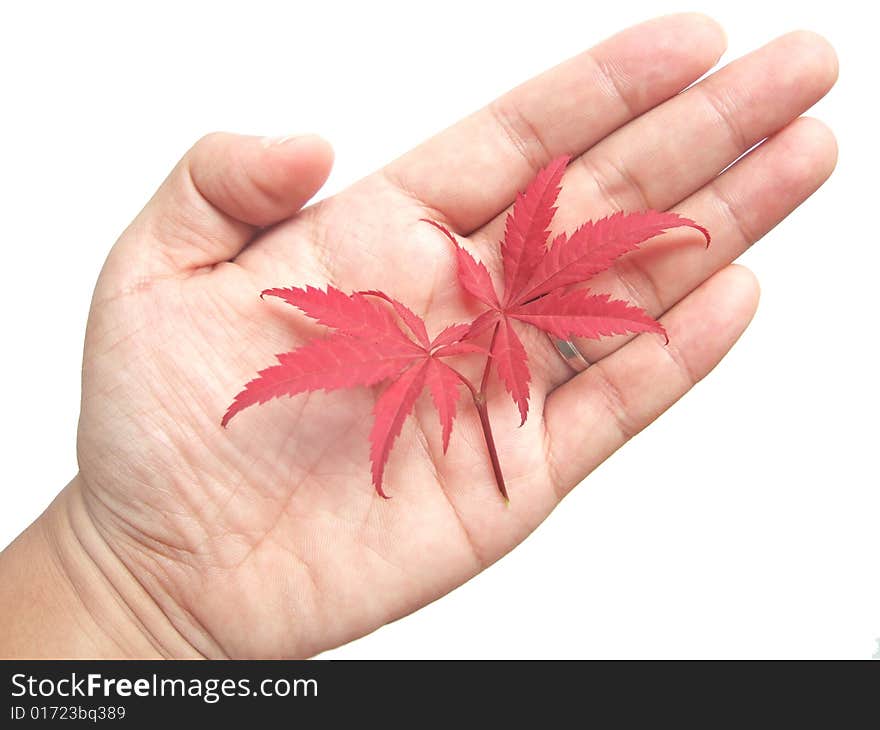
{"points": [[368, 347], [538, 274], [369, 344]]}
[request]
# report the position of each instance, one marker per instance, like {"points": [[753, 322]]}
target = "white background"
{"points": [[745, 523]]}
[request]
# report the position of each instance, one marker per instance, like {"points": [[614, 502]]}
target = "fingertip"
{"points": [[701, 28], [820, 142], [298, 148], [259, 181], [286, 172], [741, 290], [818, 49], [812, 59], [806, 155], [711, 29]]}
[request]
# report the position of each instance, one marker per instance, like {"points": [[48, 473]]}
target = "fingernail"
{"points": [[272, 141]]}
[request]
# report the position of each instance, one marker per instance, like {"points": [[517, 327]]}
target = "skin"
{"points": [[178, 538]]}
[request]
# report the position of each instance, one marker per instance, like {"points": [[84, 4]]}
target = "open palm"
{"points": [[267, 539]]}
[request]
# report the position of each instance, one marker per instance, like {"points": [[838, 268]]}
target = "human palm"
{"points": [[266, 539]]}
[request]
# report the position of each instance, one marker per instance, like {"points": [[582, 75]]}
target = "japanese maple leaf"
{"points": [[369, 344], [367, 347], [538, 274]]}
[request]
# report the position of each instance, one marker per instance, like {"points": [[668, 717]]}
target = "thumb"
{"points": [[217, 197]]}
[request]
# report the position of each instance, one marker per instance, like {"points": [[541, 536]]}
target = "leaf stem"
{"points": [[483, 410], [480, 401], [484, 383], [479, 397]]}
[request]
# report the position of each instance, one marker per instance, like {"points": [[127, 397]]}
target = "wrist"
{"points": [[65, 593]]}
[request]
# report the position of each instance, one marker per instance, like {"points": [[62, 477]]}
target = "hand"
{"points": [[266, 539]]}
